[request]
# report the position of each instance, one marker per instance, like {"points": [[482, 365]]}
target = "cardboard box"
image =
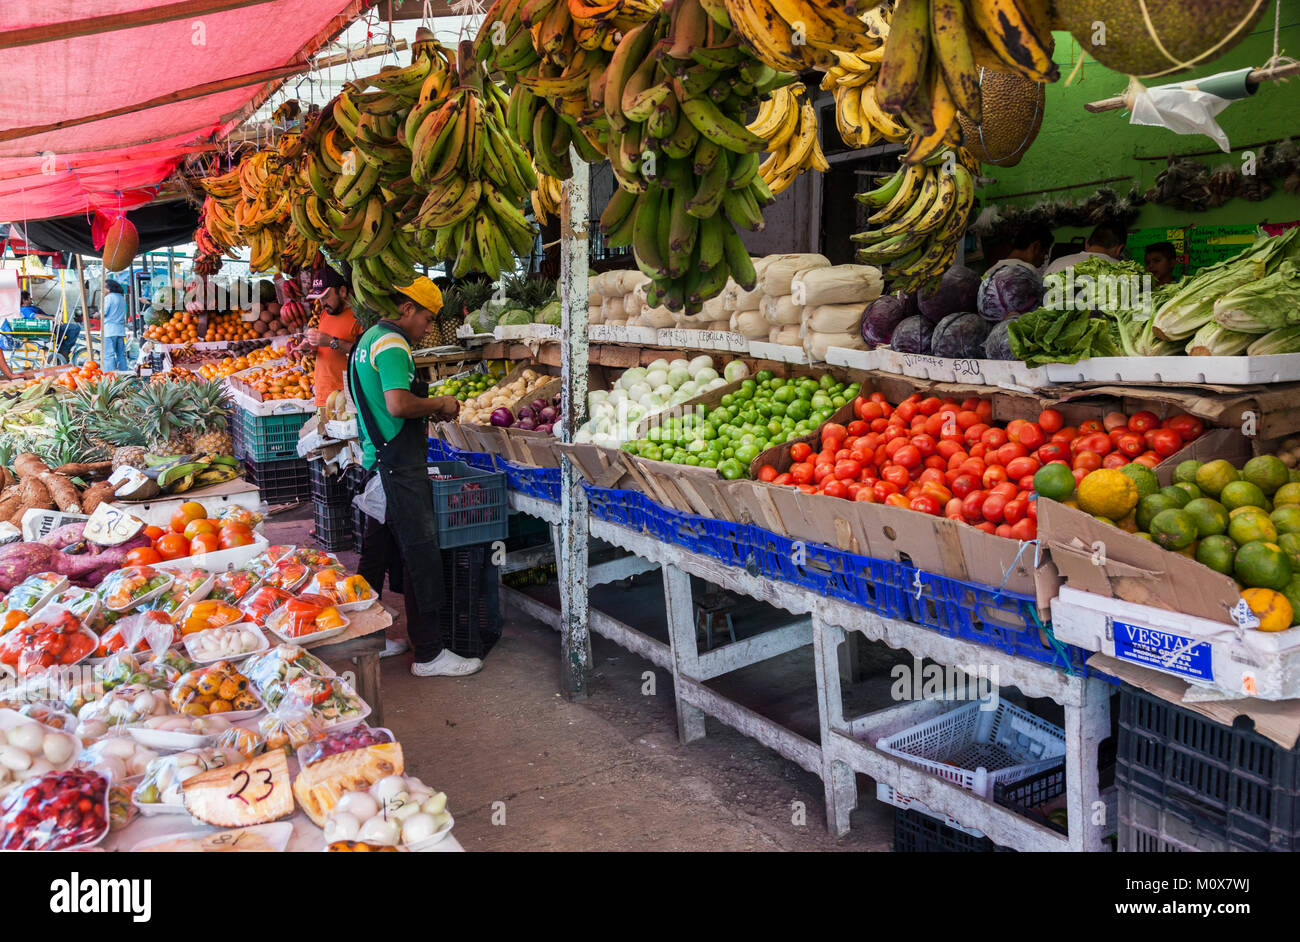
{"points": [[1097, 557], [602, 467]]}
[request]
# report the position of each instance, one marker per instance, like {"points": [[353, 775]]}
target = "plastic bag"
{"points": [[287, 574], [125, 588], [266, 560], [359, 737], [246, 741], [291, 724], [148, 632], [316, 559], [240, 514], [207, 613], [33, 590], [272, 671], [165, 776], [341, 588], [83, 603], [50, 638], [187, 587], [233, 585], [217, 688], [258, 605], [306, 615], [372, 501], [56, 811]]}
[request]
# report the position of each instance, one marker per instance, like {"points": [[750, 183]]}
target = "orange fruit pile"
{"points": [[282, 383], [88, 372], [189, 533], [183, 327]]}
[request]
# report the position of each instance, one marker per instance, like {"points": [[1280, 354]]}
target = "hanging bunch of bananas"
{"points": [[919, 215], [675, 95], [858, 115], [547, 198], [795, 35], [553, 55], [414, 171], [934, 54], [788, 123]]}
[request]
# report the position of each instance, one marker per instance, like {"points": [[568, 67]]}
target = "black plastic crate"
{"points": [[917, 833], [334, 488], [280, 482], [1146, 828], [332, 526], [470, 618], [1229, 780]]}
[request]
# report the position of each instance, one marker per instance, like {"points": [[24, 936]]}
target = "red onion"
{"points": [[526, 413], [502, 418], [547, 415]]}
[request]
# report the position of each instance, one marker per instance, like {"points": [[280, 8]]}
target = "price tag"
{"points": [[112, 526], [1243, 616], [255, 791]]}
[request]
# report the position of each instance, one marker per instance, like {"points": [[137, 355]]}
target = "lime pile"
{"points": [[765, 411]]}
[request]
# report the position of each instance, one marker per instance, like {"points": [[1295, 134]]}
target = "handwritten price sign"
{"points": [[250, 792], [111, 526]]}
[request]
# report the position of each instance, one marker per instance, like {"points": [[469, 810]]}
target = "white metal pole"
{"points": [[575, 637]]}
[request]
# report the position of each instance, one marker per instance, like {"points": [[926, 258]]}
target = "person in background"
{"points": [[1106, 241], [338, 330], [1160, 258], [1030, 248], [393, 411], [114, 318], [64, 332]]}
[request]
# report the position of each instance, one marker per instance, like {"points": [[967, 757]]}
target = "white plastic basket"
{"points": [[974, 749]]}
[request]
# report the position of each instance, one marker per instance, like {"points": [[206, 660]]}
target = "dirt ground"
{"points": [[526, 769]]}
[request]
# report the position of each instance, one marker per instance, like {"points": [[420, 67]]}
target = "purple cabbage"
{"points": [[1008, 291], [997, 346], [960, 336], [956, 291], [912, 335], [881, 317]]}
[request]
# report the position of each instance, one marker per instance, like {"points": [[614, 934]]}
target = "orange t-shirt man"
{"points": [[337, 332]]}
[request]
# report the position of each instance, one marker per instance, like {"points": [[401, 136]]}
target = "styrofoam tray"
{"points": [[1004, 373], [265, 645], [724, 341], [148, 596], [1238, 370], [1204, 653], [777, 352], [621, 333], [304, 640], [277, 834]]}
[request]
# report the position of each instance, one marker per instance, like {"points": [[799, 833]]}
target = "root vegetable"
{"points": [[96, 494], [59, 489], [86, 469], [32, 493]]}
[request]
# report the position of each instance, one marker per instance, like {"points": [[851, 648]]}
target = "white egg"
{"points": [[341, 827], [58, 748], [358, 804], [27, 737], [387, 788], [436, 804], [418, 827], [379, 831]]}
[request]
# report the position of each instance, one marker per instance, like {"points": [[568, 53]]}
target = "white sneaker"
{"points": [[447, 664], [393, 648]]}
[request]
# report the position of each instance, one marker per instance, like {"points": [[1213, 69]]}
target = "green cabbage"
{"points": [[1138, 339], [550, 313], [482, 321], [1264, 305], [514, 317]]}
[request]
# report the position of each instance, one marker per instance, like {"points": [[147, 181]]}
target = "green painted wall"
{"points": [[1076, 147]]}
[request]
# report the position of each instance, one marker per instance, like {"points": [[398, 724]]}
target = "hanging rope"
{"points": [[1277, 60], [1206, 54]]}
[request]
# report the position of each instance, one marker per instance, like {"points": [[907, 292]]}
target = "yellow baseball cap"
{"points": [[424, 293]]}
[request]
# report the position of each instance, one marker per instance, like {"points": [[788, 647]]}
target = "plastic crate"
{"points": [[918, 833], [470, 506], [975, 749], [1230, 780], [621, 508], [1027, 795], [272, 437], [236, 426], [333, 527], [541, 483], [470, 618], [280, 482], [1145, 827], [326, 488]]}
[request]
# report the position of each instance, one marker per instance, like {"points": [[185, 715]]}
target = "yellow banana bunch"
{"points": [[918, 216], [547, 198], [794, 35], [788, 122], [935, 50]]}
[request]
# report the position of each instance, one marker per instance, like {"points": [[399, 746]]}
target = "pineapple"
{"points": [[212, 418], [107, 420], [166, 414]]}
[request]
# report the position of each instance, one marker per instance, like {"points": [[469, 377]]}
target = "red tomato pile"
{"points": [[938, 456]]}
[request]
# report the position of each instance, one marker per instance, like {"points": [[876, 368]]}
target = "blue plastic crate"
{"points": [[437, 449], [541, 483], [622, 508], [470, 506]]}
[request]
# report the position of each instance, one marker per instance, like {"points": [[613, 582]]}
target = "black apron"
{"points": [[403, 468]]}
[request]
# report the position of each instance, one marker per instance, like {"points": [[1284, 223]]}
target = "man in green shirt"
{"points": [[393, 410]]}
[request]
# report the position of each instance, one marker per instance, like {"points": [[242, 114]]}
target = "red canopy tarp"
{"points": [[117, 161]]}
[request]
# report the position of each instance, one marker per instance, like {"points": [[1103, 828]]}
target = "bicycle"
{"points": [[34, 346]]}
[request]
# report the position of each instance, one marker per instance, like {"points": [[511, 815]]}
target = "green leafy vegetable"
{"points": [[1264, 305], [1045, 336]]}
